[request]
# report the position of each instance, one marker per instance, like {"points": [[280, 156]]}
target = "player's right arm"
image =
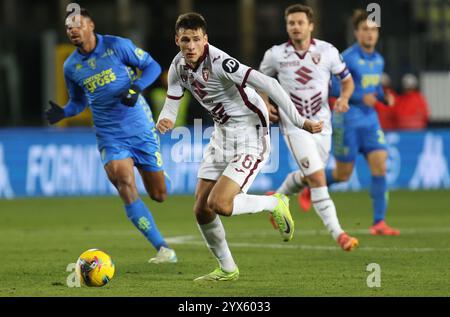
{"points": [[175, 91], [77, 103]]}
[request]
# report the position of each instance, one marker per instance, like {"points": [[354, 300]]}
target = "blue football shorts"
{"points": [[142, 148], [351, 139]]}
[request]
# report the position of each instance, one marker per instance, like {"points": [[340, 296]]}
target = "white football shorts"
{"points": [[238, 152], [310, 151]]}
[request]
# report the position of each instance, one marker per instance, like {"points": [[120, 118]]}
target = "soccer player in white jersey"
{"points": [[304, 66], [240, 144]]}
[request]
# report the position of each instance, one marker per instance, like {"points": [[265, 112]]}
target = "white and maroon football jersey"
{"points": [[219, 85], [306, 78]]}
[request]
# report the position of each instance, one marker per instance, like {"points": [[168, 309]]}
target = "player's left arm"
{"points": [[242, 75], [339, 69], [135, 57]]}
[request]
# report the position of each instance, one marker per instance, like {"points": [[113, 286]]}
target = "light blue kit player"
{"points": [[101, 73], [359, 130]]}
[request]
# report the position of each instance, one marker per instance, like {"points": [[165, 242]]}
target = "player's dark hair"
{"points": [[359, 16], [299, 8], [83, 12], [190, 21]]}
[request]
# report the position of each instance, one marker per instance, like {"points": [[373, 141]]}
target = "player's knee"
{"points": [[158, 196], [124, 183], [316, 179], [202, 213], [343, 176], [220, 205], [379, 170]]}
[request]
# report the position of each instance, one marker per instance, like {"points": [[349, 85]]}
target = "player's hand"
{"points": [[313, 126], [273, 113], [130, 96], [390, 99], [341, 105], [164, 125], [55, 113], [370, 100]]}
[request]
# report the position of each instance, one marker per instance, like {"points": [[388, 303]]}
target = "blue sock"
{"points": [[142, 218], [330, 178], [378, 192]]}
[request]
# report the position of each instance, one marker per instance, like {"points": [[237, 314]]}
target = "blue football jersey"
{"points": [[366, 70], [96, 79]]}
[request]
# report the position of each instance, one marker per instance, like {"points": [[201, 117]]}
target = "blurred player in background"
{"points": [[303, 66], [101, 73], [240, 144], [358, 130]]}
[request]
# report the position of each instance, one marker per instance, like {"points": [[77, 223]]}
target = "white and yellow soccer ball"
{"points": [[95, 268]]}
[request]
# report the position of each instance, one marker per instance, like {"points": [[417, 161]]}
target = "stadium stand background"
{"points": [[415, 38], [34, 160]]}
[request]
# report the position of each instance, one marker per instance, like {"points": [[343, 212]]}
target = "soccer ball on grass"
{"points": [[95, 268]]}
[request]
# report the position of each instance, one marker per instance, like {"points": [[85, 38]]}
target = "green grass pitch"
{"points": [[40, 237]]}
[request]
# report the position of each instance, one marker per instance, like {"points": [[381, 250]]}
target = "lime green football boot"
{"points": [[219, 275], [283, 217]]}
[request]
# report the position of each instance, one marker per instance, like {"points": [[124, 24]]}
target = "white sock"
{"points": [[214, 235], [250, 204], [326, 210], [292, 184]]}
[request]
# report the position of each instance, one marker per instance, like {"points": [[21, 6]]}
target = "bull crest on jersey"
{"points": [[315, 57], [205, 74], [303, 72], [184, 73]]}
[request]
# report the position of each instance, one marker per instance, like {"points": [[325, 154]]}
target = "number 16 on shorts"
{"points": [[243, 169]]}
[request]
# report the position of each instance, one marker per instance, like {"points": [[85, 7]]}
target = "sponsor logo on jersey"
{"points": [[78, 67], [290, 64], [370, 80], [303, 72], [108, 52], [99, 80], [230, 65]]}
